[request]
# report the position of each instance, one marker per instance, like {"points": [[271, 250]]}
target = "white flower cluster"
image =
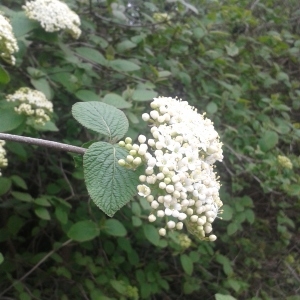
{"points": [[54, 15], [8, 42], [32, 103], [3, 160], [179, 180]]}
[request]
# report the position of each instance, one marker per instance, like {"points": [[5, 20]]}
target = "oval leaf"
{"points": [[42, 213], [116, 101], [143, 95], [109, 185], [224, 297], [5, 184], [86, 95], [268, 141], [4, 76], [91, 55], [227, 212], [187, 264], [102, 118], [151, 233], [115, 228], [83, 231], [124, 65], [10, 120]]}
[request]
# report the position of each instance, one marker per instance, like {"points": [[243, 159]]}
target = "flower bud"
{"points": [[151, 218], [162, 231]]}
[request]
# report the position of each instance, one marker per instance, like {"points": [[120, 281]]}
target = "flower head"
{"points": [[8, 42], [3, 160], [32, 103], [285, 162], [179, 181], [53, 15]]}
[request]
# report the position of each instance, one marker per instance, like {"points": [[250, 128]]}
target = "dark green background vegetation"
{"points": [[239, 61]]}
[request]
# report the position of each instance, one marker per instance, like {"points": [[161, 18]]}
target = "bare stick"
{"points": [[40, 142], [35, 266]]}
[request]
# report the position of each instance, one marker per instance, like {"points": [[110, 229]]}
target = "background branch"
{"points": [[43, 143]]}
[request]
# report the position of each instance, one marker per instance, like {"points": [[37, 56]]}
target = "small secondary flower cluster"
{"points": [[179, 180], [54, 15], [285, 162], [32, 103], [8, 42], [3, 160]]}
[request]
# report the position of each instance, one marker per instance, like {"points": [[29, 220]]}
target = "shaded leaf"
{"points": [[151, 234], [10, 120], [268, 141], [115, 228], [42, 213], [91, 54], [4, 76], [86, 95], [116, 101], [83, 231], [123, 65], [186, 264], [143, 95]]}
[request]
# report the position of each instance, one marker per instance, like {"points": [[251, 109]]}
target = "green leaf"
{"points": [[115, 228], [4, 76], [21, 24], [42, 202], [125, 45], [232, 228], [268, 141], [123, 65], [22, 196], [189, 6], [61, 214], [86, 95], [19, 182], [151, 234], [14, 224], [293, 189], [224, 297], [5, 184], [109, 185], [225, 262], [250, 216], [136, 221], [119, 286], [1, 258], [102, 118], [116, 101], [83, 231], [143, 95], [232, 49], [227, 212], [42, 213], [10, 120], [91, 54], [187, 264], [43, 86], [48, 126], [211, 107]]}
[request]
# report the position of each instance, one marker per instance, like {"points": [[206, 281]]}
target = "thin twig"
{"points": [[36, 266], [254, 4], [43, 143]]}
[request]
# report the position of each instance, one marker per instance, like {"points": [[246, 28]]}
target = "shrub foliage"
{"points": [[239, 62]]}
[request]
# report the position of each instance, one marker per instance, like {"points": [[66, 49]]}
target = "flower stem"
{"points": [[40, 142]]}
